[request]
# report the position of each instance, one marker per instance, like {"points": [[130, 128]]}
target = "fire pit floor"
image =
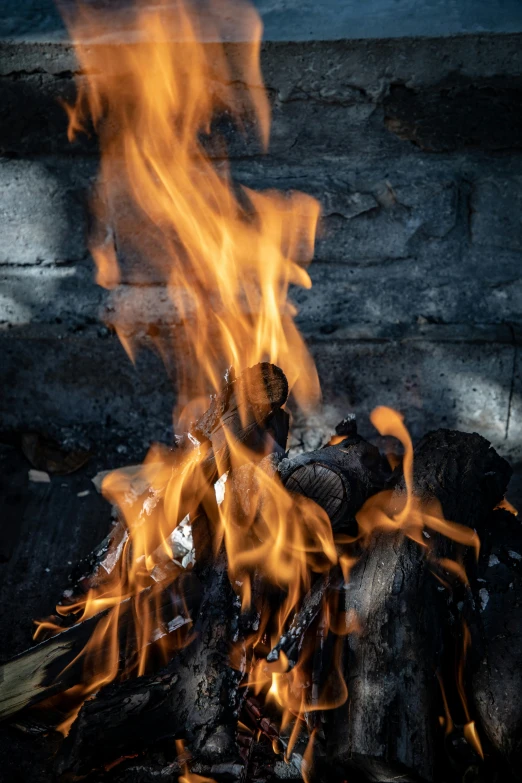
{"points": [[47, 527]]}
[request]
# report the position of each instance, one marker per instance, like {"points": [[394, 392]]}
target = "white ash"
{"points": [[113, 557], [173, 625], [39, 476], [484, 598], [514, 555], [137, 484], [189, 559], [286, 771], [195, 442], [150, 502], [493, 561], [177, 622], [97, 480], [180, 539], [182, 543], [219, 488]]}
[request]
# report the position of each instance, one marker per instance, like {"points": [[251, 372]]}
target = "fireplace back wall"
{"points": [[413, 147]]}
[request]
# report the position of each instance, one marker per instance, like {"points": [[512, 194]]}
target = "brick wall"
{"points": [[413, 147]]}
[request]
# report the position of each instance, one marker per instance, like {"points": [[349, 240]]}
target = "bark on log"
{"points": [[55, 664], [247, 410], [496, 648], [387, 728], [194, 697]]}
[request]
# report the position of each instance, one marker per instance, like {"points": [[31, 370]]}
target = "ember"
{"points": [[323, 607]]}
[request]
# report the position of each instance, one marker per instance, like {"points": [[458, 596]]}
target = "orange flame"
{"points": [[226, 253], [168, 213], [170, 218]]}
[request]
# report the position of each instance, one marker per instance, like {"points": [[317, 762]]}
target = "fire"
{"points": [[226, 256], [226, 253]]}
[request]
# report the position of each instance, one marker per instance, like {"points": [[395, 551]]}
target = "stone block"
{"points": [[462, 385], [437, 284], [54, 378], [50, 294], [496, 217], [43, 210], [403, 211]]}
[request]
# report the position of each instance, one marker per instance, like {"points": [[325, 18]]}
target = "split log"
{"points": [[247, 411], [339, 478], [56, 664], [496, 633], [388, 727], [208, 727], [290, 641], [194, 698]]}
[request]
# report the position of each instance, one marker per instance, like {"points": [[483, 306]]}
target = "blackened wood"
{"points": [[388, 727], [290, 641], [194, 697], [248, 411], [495, 657], [253, 396], [56, 664], [463, 472], [338, 478]]}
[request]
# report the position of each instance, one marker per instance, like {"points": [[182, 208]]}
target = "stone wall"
{"points": [[413, 147]]}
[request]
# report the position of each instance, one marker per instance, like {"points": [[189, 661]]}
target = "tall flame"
{"points": [[227, 254], [169, 217]]}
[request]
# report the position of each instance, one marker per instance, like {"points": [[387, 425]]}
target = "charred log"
{"points": [[193, 698], [496, 647], [387, 729], [339, 478], [56, 664], [248, 411]]}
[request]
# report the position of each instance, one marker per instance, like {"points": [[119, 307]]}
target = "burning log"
{"points": [[56, 664], [194, 697], [496, 637], [199, 686], [339, 478], [247, 410], [387, 729]]}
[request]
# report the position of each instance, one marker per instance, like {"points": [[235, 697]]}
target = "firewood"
{"points": [[338, 478], [54, 665], [193, 697], [289, 642], [387, 728], [247, 410], [495, 656]]}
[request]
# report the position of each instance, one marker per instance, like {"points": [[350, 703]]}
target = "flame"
{"points": [[507, 506], [169, 217], [469, 728], [187, 776], [226, 253], [168, 211], [410, 514]]}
